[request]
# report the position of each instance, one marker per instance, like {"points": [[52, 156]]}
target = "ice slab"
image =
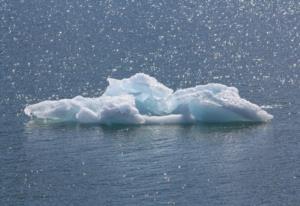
{"points": [[141, 99]]}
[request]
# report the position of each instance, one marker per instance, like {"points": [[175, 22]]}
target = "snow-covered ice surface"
{"points": [[141, 99]]}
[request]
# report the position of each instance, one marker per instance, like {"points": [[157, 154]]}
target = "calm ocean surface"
{"points": [[59, 49]]}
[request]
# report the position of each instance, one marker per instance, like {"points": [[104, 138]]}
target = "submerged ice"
{"points": [[141, 99]]}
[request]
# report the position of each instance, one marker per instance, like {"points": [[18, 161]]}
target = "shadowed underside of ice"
{"points": [[141, 99]]}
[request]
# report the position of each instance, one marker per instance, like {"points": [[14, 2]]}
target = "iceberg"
{"points": [[141, 99]]}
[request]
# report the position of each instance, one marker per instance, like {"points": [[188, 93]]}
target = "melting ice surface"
{"points": [[141, 99]]}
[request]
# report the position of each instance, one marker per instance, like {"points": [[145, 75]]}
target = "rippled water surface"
{"points": [[59, 49]]}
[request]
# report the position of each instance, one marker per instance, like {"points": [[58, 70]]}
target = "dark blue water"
{"points": [[59, 49]]}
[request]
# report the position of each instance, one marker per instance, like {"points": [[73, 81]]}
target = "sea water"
{"points": [[53, 50]]}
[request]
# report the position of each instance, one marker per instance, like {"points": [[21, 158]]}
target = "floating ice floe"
{"points": [[141, 99]]}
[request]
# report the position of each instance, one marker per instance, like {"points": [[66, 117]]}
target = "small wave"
{"points": [[271, 106]]}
